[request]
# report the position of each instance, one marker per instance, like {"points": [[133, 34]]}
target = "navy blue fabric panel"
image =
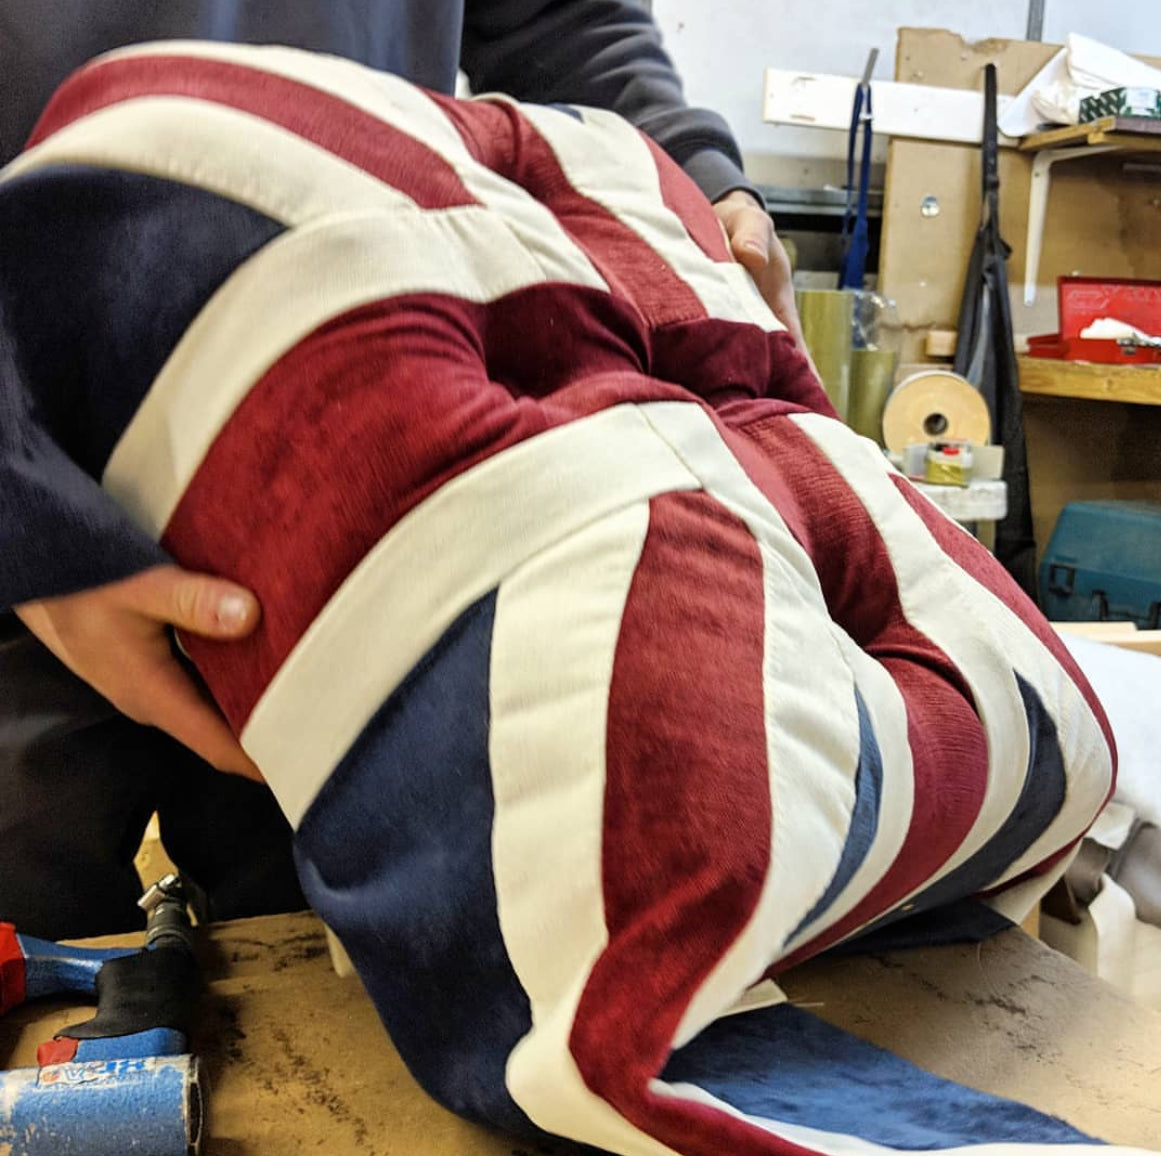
{"points": [[968, 921], [395, 854], [782, 1063], [1041, 798], [103, 271], [41, 43], [59, 532], [864, 816]]}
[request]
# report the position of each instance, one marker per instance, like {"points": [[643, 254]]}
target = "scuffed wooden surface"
{"points": [[1010, 1017], [298, 1063]]}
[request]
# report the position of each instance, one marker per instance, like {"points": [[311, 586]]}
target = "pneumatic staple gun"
{"points": [[123, 1082]]}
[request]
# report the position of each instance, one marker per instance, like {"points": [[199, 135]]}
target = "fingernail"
{"points": [[756, 247], [233, 611]]}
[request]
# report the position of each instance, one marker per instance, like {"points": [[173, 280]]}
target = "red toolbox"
{"points": [[1083, 300]]}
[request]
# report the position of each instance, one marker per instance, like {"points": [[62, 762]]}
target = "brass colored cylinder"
{"points": [[827, 317], [872, 378]]}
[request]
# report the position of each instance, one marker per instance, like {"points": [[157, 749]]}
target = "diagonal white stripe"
{"points": [[622, 177], [284, 292], [557, 622], [810, 670], [888, 716], [462, 540], [986, 641], [233, 154], [406, 107]]}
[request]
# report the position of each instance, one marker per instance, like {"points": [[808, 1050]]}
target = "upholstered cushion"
{"points": [[602, 672]]}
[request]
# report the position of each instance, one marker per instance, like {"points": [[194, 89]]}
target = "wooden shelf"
{"points": [[1140, 384], [1137, 133], [1122, 634]]}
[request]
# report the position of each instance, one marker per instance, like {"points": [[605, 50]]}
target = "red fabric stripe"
{"points": [[862, 595], [687, 806], [360, 422], [683, 197], [504, 140], [984, 567], [342, 128], [694, 1129], [718, 360], [727, 361]]}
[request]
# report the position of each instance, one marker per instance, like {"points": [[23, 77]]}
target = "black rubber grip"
{"points": [[156, 988]]}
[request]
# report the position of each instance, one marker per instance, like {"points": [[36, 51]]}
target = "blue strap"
{"points": [[852, 145], [855, 235]]}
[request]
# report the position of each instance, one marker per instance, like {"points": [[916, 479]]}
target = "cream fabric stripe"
{"points": [[931, 597], [986, 641], [462, 540], [836, 1144], [407, 108], [811, 727], [277, 298], [888, 716], [233, 154], [1017, 903], [622, 176], [558, 619]]}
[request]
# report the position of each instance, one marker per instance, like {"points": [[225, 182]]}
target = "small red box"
{"points": [[1101, 352], [1084, 299]]}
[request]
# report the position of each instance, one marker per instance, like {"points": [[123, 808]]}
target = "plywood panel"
{"points": [[1089, 451], [937, 56], [1138, 384], [1103, 220]]}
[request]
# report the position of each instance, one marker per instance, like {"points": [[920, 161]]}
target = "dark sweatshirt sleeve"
{"points": [[603, 53], [59, 531]]}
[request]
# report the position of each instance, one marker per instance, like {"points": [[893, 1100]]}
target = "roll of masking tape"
{"points": [[936, 405]]}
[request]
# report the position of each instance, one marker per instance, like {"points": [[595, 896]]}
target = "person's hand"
{"points": [[755, 245], [116, 638]]}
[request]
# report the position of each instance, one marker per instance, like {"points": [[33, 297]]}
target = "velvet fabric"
{"points": [[602, 673]]}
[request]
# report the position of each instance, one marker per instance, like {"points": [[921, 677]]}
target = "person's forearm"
{"points": [[604, 53]]}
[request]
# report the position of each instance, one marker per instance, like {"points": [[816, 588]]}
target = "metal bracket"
{"points": [[1038, 206]]}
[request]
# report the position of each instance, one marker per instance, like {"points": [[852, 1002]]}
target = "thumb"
{"points": [[748, 226], [197, 603], [750, 240], [180, 709]]}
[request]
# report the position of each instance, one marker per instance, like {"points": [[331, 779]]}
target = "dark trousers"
{"points": [[78, 783]]}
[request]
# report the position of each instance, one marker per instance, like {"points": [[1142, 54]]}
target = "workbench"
{"points": [[297, 1061]]}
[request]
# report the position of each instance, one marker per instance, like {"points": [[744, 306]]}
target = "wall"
{"points": [[722, 48]]}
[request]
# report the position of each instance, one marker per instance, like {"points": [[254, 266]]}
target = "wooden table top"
{"points": [[297, 1061]]}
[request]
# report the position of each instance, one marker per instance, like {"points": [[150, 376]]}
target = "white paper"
{"points": [[1085, 67], [1021, 116]]}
